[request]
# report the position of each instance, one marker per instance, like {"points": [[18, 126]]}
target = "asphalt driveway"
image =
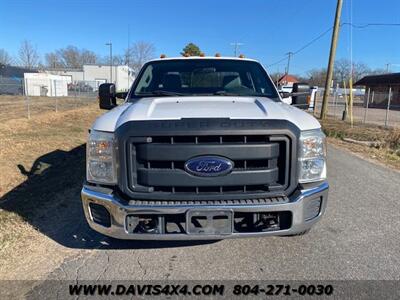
{"points": [[357, 239]]}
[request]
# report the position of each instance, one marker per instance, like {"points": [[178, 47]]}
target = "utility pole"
{"points": [[332, 54], [289, 55], [277, 77], [236, 45], [129, 51], [387, 67], [111, 60]]}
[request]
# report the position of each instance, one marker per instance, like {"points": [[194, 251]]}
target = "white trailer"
{"points": [[43, 84], [94, 75]]}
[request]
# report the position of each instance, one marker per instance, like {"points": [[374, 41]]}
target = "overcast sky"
{"points": [[267, 28]]}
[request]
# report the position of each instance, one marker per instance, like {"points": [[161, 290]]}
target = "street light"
{"points": [[111, 62]]}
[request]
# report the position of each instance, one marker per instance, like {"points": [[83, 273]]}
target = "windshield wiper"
{"points": [[159, 93], [225, 93], [263, 95]]}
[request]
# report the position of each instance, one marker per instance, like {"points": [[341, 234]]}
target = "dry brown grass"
{"points": [[16, 107], [22, 142], [388, 151]]}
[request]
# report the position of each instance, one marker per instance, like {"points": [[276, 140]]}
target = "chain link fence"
{"points": [[369, 107], [26, 99]]}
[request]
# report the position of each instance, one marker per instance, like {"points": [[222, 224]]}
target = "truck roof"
{"points": [[203, 57]]}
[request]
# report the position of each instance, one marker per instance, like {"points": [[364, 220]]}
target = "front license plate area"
{"points": [[209, 222]]}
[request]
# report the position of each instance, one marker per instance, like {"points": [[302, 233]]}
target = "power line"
{"points": [[362, 26], [303, 47], [358, 26], [277, 62], [313, 41]]}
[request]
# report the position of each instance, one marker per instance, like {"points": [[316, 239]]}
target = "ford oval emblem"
{"points": [[209, 166]]}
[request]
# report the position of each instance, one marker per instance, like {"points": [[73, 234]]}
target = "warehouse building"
{"points": [[377, 90], [95, 75]]}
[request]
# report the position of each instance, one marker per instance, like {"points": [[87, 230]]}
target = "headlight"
{"points": [[312, 156], [100, 158]]}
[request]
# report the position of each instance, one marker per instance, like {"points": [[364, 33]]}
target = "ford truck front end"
{"points": [[203, 148]]}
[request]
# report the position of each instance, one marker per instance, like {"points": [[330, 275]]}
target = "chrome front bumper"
{"points": [[297, 205]]}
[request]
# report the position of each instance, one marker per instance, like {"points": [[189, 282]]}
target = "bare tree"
{"points": [[28, 55], [137, 54], [117, 60], [343, 70], [53, 60], [71, 57], [360, 70], [88, 57], [317, 77], [342, 73], [5, 58]]}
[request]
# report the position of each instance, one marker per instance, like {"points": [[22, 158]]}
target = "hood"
{"points": [[175, 108]]}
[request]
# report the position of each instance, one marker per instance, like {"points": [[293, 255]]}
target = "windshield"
{"points": [[193, 77]]}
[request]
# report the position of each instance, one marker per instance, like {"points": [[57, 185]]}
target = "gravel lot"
{"points": [[375, 116]]}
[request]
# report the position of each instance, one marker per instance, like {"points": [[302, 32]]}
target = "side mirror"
{"points": [[107, 97], [301, 95]]}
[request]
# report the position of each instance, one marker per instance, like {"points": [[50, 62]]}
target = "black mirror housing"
{"points": [[107, 96], [301, 95]]}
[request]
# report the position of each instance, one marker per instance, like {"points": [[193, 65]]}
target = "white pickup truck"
{"points": [[203, 148], [290, 89]]}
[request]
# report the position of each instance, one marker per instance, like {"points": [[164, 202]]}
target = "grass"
{"points": [[16, 107], [27, 149], [387, 141]]}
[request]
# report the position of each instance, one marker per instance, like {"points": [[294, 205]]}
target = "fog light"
{"points": [[100, 214]]}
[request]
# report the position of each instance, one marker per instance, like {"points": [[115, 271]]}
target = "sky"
{"points": [[268, 29]]}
